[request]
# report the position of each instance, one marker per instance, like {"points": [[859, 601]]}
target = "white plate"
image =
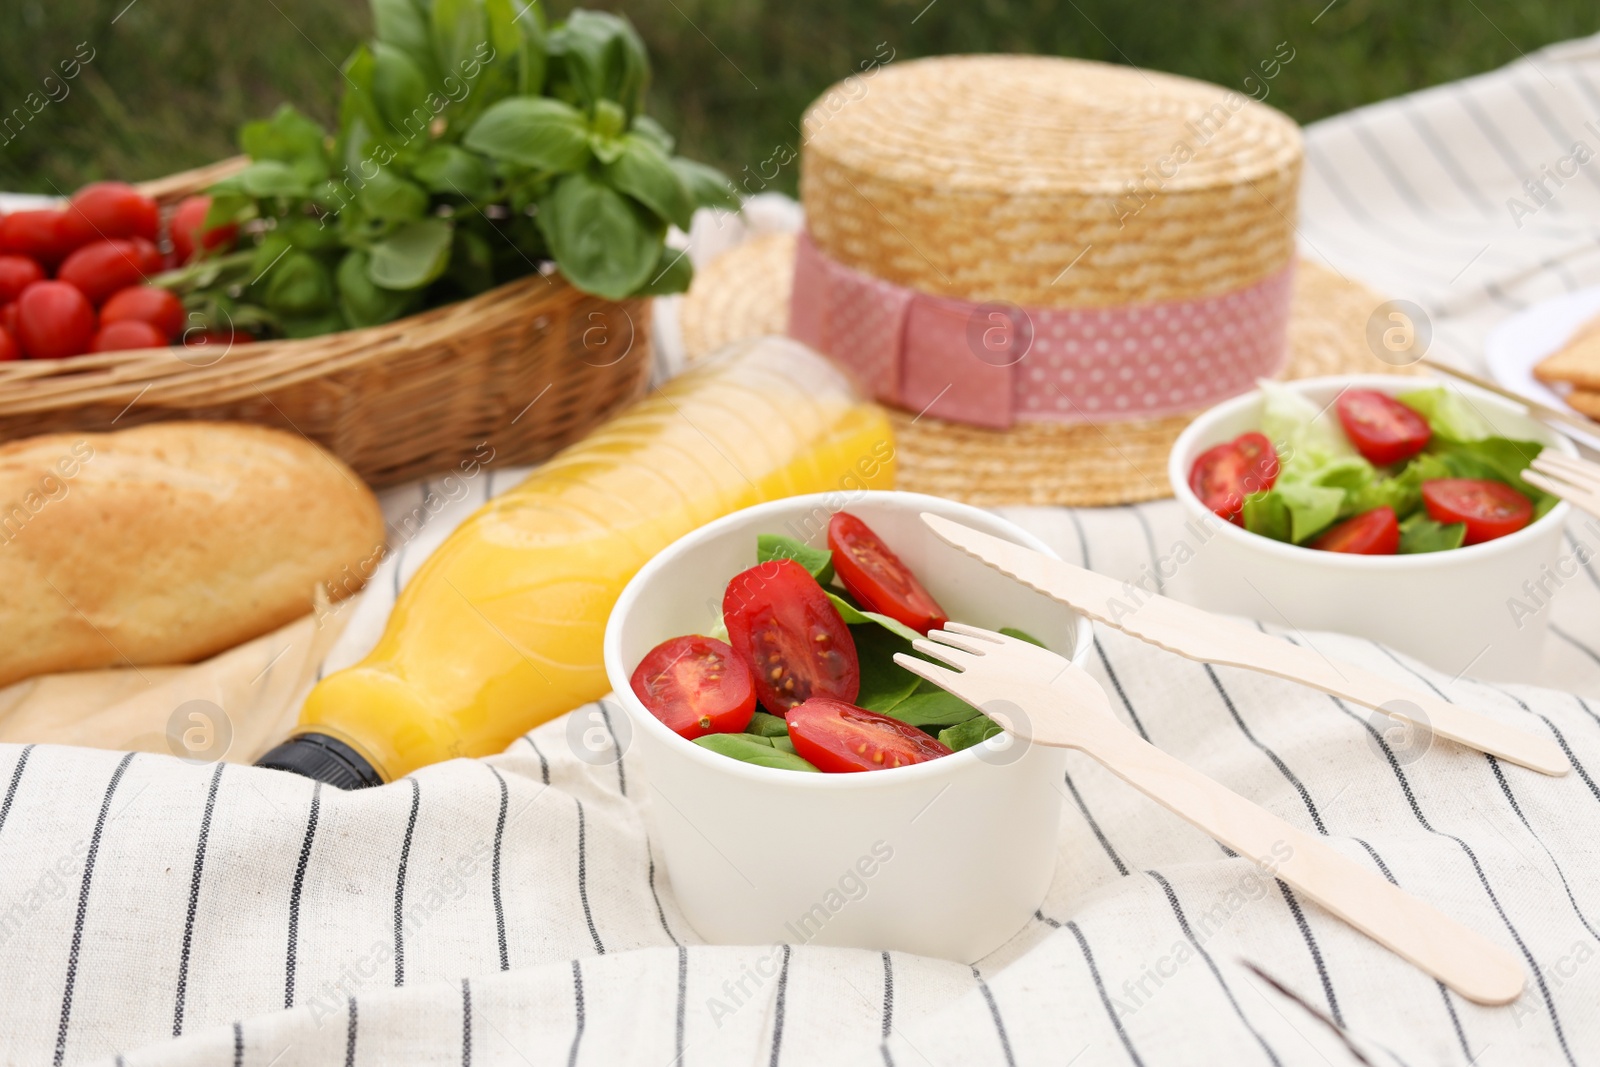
{"points": [[1513, 347]]}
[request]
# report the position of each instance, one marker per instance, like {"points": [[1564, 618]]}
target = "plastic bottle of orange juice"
{"points": [[501, 628]]}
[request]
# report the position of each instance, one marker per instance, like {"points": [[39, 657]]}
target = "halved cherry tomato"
{"points": [[145, 303], [1371, 533], [1490, 509], [54, 320], [186, 225], [38, 234], [696, 685], [1383, 430], [102, 210], [107, 267], [1224, 475], [16, 274], [9, 349], [126, 335], [876, 577], [782, 624], [835, 735]]}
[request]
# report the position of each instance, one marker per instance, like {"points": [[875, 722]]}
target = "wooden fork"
{"points": [[1571, 479], [1037, 695]]}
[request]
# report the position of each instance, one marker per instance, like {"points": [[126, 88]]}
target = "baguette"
{"points": [[168, 543]]}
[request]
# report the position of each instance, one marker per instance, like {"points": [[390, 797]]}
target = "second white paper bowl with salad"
{"points": [[947, 858], [1456, 610]]}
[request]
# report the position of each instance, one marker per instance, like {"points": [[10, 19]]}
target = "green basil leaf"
{"points": [[413, 255], [602, 58], [288, 137], [297, 285], [535, 132], [362, 302], [270, 178], [459, 28], [854, 615], [1420, 533], [1020, 635], [295, 327], [603, 242], [783, 744], [310, 234], [452, 171], [651, 130], [471, 262], [674, 271], [755, 739], [533, 59], [974, 731], [227, 208], [748, 750], [819, 561], [707, 186], [767, 725], [358, 107], [643, 172], [401, 90], [391, 198], [403, 24]]}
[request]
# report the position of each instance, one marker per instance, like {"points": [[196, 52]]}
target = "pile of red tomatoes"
{"points": [[73, 279]]}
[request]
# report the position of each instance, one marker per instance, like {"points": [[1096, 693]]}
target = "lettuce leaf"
{"points": [[1293, 512], [1449, 414], [1420, 533]]}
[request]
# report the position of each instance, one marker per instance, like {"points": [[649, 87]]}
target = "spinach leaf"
{"points": [[819, 561], [884, 683], [973, 731], [931, 707], [766, 725], [750, 750], [854, 615]]}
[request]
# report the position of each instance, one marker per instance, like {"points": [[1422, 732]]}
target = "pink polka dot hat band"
{"points": [[996, 364]]}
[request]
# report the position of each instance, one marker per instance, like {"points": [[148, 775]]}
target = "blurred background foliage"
{"points": [[170, 81]]}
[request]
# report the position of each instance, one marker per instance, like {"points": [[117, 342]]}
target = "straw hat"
{"points": [[1101, 211]]}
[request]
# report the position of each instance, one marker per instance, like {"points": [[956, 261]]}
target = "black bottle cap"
{"points": [[323, 758]]}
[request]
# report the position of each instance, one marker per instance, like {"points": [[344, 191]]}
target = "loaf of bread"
{"points": [[170, 542]]}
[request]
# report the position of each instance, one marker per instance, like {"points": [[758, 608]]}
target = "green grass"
{"points": [[171, 80]]}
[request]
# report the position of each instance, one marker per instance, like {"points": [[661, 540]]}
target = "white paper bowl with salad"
{"points": [[1388, 507], [828, 797]]}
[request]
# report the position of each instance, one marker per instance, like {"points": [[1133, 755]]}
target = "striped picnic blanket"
{"points": [[510, 910]]}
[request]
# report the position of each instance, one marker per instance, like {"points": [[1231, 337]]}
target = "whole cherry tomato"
{"points": [[145, 303], [186, 235], [39, 234], [9, 349], [126, 335], [54, 320], [103, 210], [16, 274], [106, 267], [8, 318]]}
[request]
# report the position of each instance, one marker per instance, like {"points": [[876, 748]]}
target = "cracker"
{"points": [[1577, 361], [1584, 402]]}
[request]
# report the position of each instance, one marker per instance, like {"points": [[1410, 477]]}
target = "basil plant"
{"points": [[475, 145]]}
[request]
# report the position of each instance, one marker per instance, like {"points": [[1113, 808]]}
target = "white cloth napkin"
{"points": [[510, 910]]}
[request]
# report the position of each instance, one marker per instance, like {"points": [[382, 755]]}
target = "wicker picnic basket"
{"points": [[523, 369]]}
